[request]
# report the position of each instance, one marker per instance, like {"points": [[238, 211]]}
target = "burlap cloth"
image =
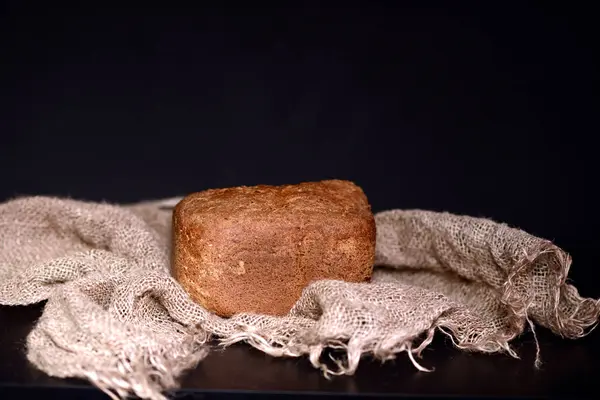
{"points": [[115, 317]]}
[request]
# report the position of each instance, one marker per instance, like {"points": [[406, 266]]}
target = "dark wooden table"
{"points": [[569, 371]]}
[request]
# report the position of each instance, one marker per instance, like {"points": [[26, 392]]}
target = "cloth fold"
{"points": [[116, 317]]}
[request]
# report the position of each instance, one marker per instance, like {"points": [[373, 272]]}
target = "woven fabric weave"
{"points": [[116, 317]]}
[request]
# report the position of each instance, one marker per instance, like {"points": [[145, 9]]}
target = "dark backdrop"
{"points": [[484, 111]]}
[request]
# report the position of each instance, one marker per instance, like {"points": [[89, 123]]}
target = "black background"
{"points": [[487, 111]]}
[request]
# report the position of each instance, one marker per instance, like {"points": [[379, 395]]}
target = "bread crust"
{"points": [[254, 249]]}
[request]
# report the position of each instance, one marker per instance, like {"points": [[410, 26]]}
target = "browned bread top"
{"points": [[253, 249], [325, 197]]}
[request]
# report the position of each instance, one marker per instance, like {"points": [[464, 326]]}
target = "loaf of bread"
{"points": [[254, 249]]}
